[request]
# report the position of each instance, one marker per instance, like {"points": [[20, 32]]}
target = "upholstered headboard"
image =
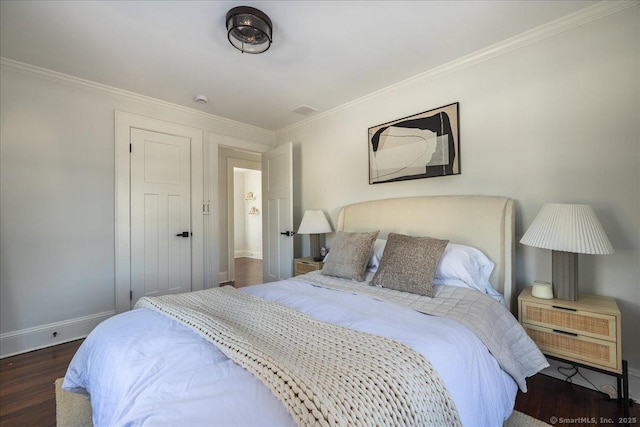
{"points": [[484, 222]]}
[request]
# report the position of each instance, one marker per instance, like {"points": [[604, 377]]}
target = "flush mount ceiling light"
{"points": [[249, 30]]}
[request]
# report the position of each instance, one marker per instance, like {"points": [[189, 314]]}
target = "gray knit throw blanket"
{"points": [[325, 375]]}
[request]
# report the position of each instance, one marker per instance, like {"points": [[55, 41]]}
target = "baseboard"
{"points": [[601, 381], [248, 254], [223, 277], [38, 337]]}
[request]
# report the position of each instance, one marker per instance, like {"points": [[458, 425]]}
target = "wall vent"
{"points": [[305, 110]]}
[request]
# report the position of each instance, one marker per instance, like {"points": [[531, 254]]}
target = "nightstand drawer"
{"points": [[303, 268], [584, 323], [593, 352], [306, 265]]}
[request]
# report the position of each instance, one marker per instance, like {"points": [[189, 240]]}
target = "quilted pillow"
{"points": [[409, 263], [349, 255]]}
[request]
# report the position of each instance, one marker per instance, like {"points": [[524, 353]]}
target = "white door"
{"points": [[277, 208], [160, 214]]}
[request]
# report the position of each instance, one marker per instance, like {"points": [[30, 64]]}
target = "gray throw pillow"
{"points": [[349, 255], [409, 263]]}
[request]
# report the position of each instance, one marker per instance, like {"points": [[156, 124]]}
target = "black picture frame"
{"points": [[424, 145]]}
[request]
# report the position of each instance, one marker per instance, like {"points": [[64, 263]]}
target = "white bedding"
{"points": [[141, 368]]}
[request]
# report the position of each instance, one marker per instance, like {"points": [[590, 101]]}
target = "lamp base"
{"points": [[564, 275], [314, 241]]}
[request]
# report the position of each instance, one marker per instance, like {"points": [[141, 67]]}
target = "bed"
{"points": [[459, 350]]}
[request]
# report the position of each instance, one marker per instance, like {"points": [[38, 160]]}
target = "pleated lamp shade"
{"points": [[568, 230]]}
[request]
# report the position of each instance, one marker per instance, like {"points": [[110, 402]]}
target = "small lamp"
{"points": [[314, 223], [249, 30], [567, 230]]}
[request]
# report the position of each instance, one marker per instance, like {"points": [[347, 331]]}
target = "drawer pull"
{"points": [[566, 333], [564, 308]]}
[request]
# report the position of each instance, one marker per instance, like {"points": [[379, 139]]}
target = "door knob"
{"points": [[183, 234], [288, 233]]}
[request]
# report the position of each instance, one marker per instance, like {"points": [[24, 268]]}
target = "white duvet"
{"points": [[141, 368]]}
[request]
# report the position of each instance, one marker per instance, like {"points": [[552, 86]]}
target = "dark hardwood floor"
{"points": [[27, 395], [550, 399]]}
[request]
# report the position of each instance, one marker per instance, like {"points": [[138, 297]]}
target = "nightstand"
{"points": [[305, 265], [585, 333]]}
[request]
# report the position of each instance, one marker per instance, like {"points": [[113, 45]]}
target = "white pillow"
{"points": [[460, 265], [466, 264], [376, 255]]}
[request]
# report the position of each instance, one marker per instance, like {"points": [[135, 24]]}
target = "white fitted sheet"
{"points": [[141, 368]]}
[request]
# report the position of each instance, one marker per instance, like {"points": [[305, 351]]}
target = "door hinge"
{"points": [[130, 148], [130, 295], [205, 208]]}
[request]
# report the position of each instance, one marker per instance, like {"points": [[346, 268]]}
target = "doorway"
{"points": [[274, 211], [239, 173], [247, 226]]}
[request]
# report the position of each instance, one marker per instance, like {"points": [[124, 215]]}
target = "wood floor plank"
{"points": [[27, 396], [248, 272], [550, 397]]}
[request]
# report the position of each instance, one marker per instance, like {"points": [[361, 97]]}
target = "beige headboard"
{"points": [[484, 222]]}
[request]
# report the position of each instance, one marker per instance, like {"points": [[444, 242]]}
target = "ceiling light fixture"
{"points": [[249, 30], [201, 99]]}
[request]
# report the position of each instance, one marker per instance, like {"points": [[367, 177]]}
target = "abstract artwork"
{"points": [[419, 146]]}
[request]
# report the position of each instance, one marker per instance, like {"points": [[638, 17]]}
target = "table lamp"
{"points": [[568, 230], [314, 223]]}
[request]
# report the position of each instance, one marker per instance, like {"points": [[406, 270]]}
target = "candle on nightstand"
{"points": [[542, 290]]}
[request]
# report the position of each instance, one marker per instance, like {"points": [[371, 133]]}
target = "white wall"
{"points": [[554, 120], [57, 200], [253, 223], [239, 217]]}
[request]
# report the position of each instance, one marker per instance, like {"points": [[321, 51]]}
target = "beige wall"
{"points": [[552, 121]]}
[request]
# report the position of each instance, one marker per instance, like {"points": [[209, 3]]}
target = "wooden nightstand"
{"points": [[585, 333], [305, 265]]}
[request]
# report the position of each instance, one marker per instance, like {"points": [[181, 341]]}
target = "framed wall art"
{"points": [[424, 145]]}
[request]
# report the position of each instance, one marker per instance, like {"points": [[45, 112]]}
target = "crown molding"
{"points": [[545, 31], [50, 75]]}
